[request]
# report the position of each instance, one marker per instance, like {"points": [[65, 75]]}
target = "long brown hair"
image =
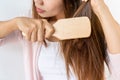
{"points": [[85, 56]]}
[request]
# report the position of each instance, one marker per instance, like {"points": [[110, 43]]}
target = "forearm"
{"points": [[6, 27], [111, 29]]}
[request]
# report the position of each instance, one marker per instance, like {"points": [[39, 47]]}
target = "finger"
{"points": [[29, 33], [34, 35], [43, 31], [40, 34], [49, 29]]}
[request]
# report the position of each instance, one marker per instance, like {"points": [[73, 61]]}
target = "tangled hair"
{"points": [[85, 56]]}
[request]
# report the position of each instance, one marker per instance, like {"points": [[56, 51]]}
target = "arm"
{"points": [[110, 27], [6, 27], [7, 32]]}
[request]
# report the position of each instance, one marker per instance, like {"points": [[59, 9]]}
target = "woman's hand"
{"points": [[110, 27], [35, 29], [97, 5]]}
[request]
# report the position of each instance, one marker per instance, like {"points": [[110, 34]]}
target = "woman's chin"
{"points": [[43, 16]]}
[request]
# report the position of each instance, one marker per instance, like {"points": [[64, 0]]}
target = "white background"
{"points": [[11, 58]]}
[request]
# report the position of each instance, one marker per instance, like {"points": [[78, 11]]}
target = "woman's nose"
{"points": [[39, 2]]}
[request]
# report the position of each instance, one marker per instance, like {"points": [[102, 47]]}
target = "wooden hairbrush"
{"points": [[72, 28]]}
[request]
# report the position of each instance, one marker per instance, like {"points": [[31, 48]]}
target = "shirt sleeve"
{"points": [[2, 41], [14, 36], [115, 66]]}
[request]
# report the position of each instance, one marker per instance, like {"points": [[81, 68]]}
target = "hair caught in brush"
{"points": [[85, 56]]}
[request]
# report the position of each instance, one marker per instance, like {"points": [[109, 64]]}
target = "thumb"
{"points": [[49, 29]]}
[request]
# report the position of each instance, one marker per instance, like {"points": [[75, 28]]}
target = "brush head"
{"points": [[72, 28]]}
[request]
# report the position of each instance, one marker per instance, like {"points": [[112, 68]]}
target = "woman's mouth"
{"points": [[40, 10]]}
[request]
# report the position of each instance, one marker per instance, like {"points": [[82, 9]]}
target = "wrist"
{"points": [[101, 10], [14, 23]]}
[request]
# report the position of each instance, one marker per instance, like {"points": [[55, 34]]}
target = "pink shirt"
{"points": [[33, 50], [30, 55]]}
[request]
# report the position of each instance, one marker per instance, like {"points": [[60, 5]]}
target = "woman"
{"points": [[82, 56]]}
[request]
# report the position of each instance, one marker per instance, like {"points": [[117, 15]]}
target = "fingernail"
{"points": [[23, 34]]}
